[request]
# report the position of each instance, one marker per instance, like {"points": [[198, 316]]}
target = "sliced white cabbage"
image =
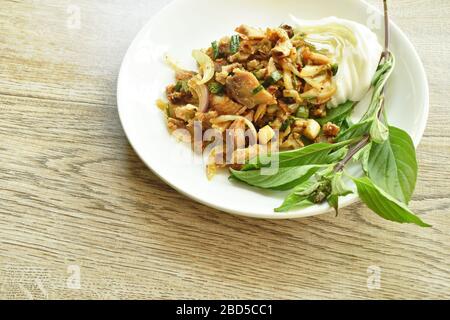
{"points": [[355, 49]]}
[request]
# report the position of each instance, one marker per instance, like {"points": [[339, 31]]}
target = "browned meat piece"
{"points": [[186, 112], [241, 86], [224, 46], [229, 68], [283, 46], [250, 115], [240, 56], [249, 46], [179, 97], [224, 105], [330, 129], [184, 74], [272, 90], [319, 111], [174, 124], [218, 64], [264, 49], [253, 65], [205, 119], [247, 32], [222, 74], [292, 142], [288, 29]]}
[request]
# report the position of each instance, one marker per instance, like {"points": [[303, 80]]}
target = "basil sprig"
{"points": [[384, 204], [315, 174]]}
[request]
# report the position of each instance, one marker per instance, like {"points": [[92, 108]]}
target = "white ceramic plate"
{"points": [[185, 25]]}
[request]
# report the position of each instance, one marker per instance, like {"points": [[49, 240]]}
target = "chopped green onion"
{"points": [[258, 89], [215, 49], [170, 112], [302, 112], [334, 68], [309, 98], [185, 86], [272, 79], [234, 43], [286, 124], [177, 87], [311, 46], [276, 76], [215, 88], [182, 86], [294, 81]]}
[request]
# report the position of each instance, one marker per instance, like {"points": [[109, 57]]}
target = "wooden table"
{"points": [[82, 217]]}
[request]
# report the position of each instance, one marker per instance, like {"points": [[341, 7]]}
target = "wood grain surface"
{"points": [[82, 217]]}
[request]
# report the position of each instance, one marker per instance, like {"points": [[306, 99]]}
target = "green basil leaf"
{"points": [[346, 123], [385, 205], [298, 198], [357, 130], [333, 201], [294, 202], [392, 165], [316, 153], [306, 189], [283, 179], [338, 186], [313, 154], [337, 155], [378, 131], [338, 189], [337, 114]]}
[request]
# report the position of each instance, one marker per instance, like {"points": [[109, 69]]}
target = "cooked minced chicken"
{"points": [[262, 80]]}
